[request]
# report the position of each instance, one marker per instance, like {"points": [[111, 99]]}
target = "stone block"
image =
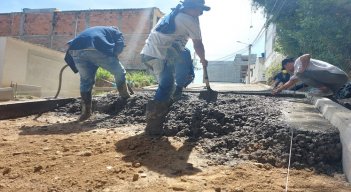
{"points": [[6, 94]]}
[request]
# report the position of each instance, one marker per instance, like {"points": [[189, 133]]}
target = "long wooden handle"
{"points": [[130, 89], [206, 78]]}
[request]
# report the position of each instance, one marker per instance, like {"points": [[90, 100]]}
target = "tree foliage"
{"points": [[272, 70], [319, 27], [135, 78]]}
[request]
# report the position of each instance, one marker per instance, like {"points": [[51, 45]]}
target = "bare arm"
{"points": [[287, 85], [200, 51], [305, 60]]}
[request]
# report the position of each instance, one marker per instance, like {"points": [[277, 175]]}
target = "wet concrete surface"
{"points": [[234, 128], [300, 114]]}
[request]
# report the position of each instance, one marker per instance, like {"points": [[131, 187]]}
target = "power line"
{"points": [[277, 14], [230, 55], [263, 29], [227, 57], [274, 5]]}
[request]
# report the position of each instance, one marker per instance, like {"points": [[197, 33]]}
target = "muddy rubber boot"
{"points": [[85, 105], [155, 116], [123, 91]]}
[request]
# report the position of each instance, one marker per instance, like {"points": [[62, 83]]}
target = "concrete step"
{"points": [[6, 94], [15, 109]]}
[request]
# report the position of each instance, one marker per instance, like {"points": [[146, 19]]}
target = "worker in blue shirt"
{"points": [[281, 78], [96, 47]]}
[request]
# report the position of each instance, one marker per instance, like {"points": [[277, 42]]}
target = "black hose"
{"points": [[60, 81]]}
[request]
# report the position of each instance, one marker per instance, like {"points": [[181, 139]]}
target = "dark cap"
{"points": [[286, 61], [195, 4]]}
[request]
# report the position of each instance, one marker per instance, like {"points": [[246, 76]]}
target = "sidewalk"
{"points": [[222, 87], [237, 88]]}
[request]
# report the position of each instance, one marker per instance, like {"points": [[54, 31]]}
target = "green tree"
{"points": [[319, 27]]}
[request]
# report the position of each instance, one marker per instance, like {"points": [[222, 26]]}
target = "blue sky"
{"points": [[227, 22]]}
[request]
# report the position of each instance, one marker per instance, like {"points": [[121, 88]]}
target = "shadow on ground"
{"points": [[147, 151]]}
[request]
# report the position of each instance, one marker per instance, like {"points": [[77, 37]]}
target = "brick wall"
{"points": [[53, 29]]}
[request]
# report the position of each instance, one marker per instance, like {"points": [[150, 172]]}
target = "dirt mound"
{"points": [[234, 128]]}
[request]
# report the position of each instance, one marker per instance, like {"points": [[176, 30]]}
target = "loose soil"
{"points": [[238, 143]]}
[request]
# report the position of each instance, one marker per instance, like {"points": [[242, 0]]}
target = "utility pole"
{"points": [[248, 73], [248, 65]]}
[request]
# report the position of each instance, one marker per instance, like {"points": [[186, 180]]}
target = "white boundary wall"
{"points": [[24, 63]]}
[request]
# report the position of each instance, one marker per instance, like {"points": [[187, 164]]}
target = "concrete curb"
{"points": [[6, 93], [340, 117], [9, 110]]}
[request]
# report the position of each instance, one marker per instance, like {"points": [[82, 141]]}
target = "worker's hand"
{"points": [[276, 91], [204, 62]]}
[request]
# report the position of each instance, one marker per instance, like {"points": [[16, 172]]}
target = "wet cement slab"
{"points": [[301, 114]]}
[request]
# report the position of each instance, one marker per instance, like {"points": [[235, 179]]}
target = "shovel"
{"points": [[208, 95]]}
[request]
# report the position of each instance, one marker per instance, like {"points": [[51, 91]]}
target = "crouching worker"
{"points": [[281, 78], [326, 78], [163, 51], [93, 48]]}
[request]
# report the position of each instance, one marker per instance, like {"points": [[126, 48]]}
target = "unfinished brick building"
{"points": [[53, 28]]}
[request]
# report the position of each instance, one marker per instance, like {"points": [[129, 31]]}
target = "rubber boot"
{"points": [[155, 117], [85, 105], [123, 91]]}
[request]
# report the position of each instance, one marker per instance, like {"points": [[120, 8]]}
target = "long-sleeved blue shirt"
{"points": [[106, 39]]}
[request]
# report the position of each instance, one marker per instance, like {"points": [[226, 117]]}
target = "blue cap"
{"points": [[195, 4]]}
